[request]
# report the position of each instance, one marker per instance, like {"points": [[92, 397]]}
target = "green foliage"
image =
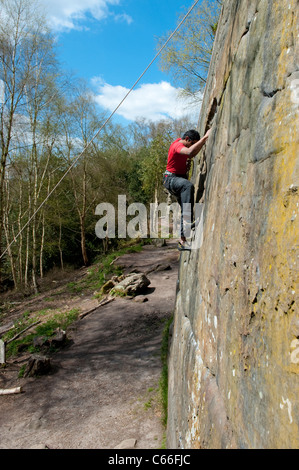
{"points": [[214, 28], [154, 164], [163, 384], [22, 371], [103, 269], [148, 404], [187, 57], [133, 175], [57, 320], [52, 320], [62, 117], [19, 326]]}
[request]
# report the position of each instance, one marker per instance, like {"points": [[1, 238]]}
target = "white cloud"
{"points": [[66, 15], [153, 101], [124, 18]]}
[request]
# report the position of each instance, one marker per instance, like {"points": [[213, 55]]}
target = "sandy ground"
{"points": [[103, 388]]}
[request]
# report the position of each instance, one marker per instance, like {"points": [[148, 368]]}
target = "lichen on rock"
{"points": [[233, 368]]}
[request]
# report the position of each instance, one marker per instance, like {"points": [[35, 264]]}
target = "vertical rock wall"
{"points": [[234, 357]]}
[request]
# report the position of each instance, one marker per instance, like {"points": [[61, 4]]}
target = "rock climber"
{"points": [[175, 178]]}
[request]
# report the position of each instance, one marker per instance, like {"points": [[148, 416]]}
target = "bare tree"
{"points": [[38, 92], [28, 73], [80, 123]]}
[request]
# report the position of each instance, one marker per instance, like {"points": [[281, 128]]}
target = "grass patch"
{"points": [[163, 383], [19, 326], [22, 371], [47, 328], [59, 320], [148, 404], [103, 269], [163, 444], [52, 319]]}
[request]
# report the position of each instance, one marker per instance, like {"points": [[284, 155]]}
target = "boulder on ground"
{"points": [[107, 286]]}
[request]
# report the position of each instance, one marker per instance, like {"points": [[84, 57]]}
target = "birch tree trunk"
{"points": [[82, 215], [59, 244], [25, 53], [20, 241], [8, 234]]}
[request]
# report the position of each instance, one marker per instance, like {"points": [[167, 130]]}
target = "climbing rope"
{"points": [[100, 129]]}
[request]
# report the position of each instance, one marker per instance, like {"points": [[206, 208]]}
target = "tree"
{"points": [[153, 167], [38, 92], [187, 56], [22, 31]]}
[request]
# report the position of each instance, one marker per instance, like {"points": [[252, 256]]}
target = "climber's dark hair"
{"points": [[192, 134]]}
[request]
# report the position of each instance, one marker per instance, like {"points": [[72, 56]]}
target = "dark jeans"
{"points": [[183, 190]]}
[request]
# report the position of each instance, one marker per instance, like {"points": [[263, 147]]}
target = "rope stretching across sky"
{"points": [[100, 129]]}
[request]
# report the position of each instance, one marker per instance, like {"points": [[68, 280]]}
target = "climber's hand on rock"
{"points": [[208, 133]]}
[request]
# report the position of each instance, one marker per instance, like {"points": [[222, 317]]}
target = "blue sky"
{"points": [[110, 43]]}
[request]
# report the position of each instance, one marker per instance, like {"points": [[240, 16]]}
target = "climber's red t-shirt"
{"points": [[177, 161]]}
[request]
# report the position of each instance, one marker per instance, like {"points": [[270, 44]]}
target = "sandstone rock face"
{"points": [[234, 355]]}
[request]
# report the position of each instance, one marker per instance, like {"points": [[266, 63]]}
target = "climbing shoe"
{"points": [[183, 247]]}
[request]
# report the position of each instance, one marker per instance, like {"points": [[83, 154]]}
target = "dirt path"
{"points": [[104, 387]]}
